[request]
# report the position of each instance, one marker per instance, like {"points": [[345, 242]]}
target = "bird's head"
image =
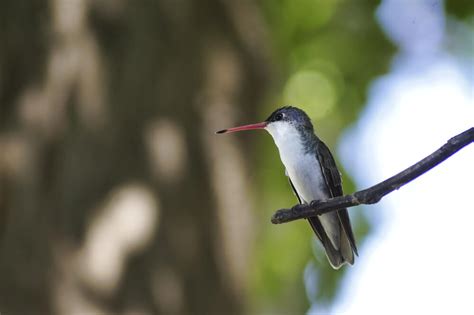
{"points": [[280, 122]]}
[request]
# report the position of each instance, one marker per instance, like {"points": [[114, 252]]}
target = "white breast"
{"points": [[302, 168]]}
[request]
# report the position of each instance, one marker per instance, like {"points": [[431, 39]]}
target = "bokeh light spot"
{"points": [[312, 91]]}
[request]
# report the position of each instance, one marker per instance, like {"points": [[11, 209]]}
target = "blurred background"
{"points": [[116, 196]]}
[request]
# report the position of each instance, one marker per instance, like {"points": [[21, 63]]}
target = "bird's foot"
{"points": [[313, 204], [298, 208]]}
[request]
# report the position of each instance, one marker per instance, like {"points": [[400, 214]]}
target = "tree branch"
{"points": [[375, 193]]}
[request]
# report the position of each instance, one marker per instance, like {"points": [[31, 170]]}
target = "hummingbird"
{"points": [[313, 176]]}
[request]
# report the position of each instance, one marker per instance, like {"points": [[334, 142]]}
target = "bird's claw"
{"points": [[314, 203], [297, 208]]}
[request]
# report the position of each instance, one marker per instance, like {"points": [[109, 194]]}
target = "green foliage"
{"points": [[463, 9]]}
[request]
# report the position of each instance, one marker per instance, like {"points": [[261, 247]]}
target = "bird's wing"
{"points": [[334, 183], [293, 187]]}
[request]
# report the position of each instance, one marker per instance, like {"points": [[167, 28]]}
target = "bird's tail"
{"points": [[337, 257]]}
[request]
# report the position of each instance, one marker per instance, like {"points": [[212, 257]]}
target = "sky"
{"points": [[418, 258]]}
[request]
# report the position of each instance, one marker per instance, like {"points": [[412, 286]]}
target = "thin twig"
{"points": [[375, 193]]}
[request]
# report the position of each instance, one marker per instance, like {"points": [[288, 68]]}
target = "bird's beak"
{"points": [[261, 125]]}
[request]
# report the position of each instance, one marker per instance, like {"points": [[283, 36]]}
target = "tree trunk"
{"points": [[115, 194]]}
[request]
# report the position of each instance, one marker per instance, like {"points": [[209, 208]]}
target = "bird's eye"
{"points": [[278, 116]]}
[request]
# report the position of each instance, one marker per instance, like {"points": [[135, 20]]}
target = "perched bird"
{"points": [[313, 175]]}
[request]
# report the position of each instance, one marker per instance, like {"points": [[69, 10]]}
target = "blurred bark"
{"points": [[86, 89]]}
